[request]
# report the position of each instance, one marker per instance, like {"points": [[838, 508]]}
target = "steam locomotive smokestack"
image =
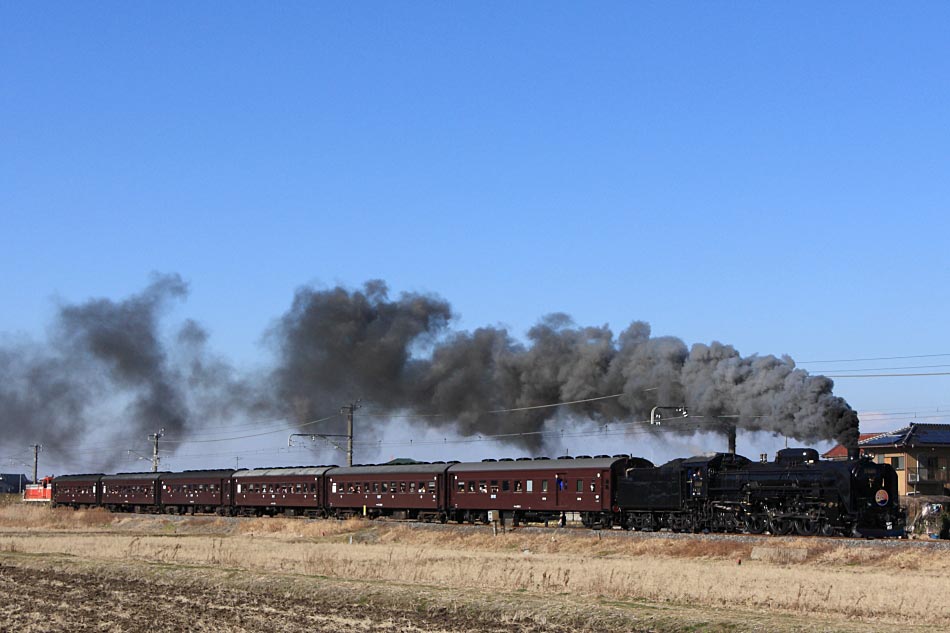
{"points": [[731, 434], [853, 452]]}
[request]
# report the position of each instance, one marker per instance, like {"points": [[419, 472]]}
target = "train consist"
{"points": [[718, 493]]}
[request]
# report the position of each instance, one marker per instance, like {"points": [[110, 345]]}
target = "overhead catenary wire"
{"points": [[691, 424], [493, 411], [601, 430], [242, 437], [558, 404], [876, 417], [616, 428], [114, 447]]}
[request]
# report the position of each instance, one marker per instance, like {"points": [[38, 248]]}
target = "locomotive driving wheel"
{"points": [[756, 523], [781, 527], [807, 527]]}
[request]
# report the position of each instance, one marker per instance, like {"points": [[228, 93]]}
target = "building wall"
{"points": [[11, 483], [920, 470]]}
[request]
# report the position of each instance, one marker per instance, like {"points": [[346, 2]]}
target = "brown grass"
{"points": [[862, 583], [27, 516]]}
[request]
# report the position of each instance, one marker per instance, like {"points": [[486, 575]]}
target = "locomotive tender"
{"points": [[718, 493]]}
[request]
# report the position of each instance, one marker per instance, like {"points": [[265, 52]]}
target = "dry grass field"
{"points": [[210, 573]]}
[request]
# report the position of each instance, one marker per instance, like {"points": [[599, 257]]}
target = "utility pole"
{"points": [[155, 458], [36, 459], [348, 411]]}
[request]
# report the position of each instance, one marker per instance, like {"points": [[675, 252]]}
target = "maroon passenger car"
{"points": [[197, 491], [537, 490], [406, 491], [76, 490], [131, 492], [291, 491]]}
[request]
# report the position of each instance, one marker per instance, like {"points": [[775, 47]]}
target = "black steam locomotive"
{"points": [[795, 493]]}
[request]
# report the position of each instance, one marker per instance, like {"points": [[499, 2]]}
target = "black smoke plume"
{"points": [[109, 371], [335, 345]]}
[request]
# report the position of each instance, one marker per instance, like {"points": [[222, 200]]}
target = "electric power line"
{"points": [[936, 373], [858, 360], [889, 368]]}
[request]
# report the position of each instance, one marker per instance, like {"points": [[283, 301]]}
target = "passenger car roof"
{"points": [[397, 469], [279, 472], [536, 464]]}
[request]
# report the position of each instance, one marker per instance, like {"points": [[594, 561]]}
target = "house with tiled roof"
{"points": [[839, 453], [920, 453]]}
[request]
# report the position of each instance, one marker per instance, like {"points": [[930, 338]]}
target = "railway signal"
{"points": [[656, 413]]}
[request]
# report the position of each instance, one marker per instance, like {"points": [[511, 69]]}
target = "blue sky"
{"points": [[772, 176]]}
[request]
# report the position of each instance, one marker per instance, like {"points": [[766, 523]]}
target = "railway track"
{"points": [[572, 530]]}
